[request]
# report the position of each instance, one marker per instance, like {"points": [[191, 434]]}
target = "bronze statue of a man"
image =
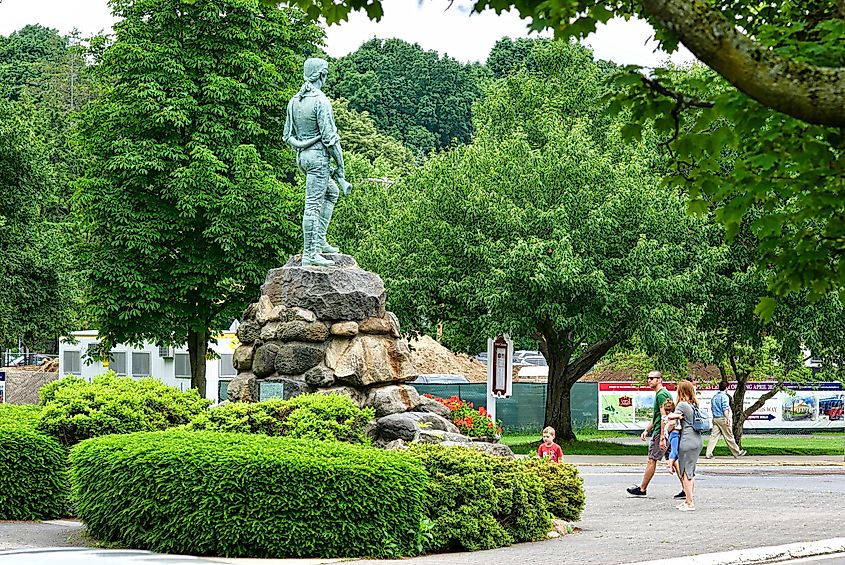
{"points": [[311, 131]]}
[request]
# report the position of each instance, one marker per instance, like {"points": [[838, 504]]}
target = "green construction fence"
{"points": [[525, 408]]}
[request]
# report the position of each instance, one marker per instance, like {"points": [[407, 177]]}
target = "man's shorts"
{"points": [[654, 450]]}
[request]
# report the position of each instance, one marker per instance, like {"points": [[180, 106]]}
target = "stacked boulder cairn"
{"points": [[325, 330]]}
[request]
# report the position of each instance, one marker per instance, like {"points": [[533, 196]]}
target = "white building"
{"points": [[167, 364]]}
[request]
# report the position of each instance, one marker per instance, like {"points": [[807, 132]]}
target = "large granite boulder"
{"points": [[242, 358], [243, 388], [392, 399], [295, 358], [342, 292], [356, 395], [367, 360], [264, 360], [498, 449], [406, 425], [430, 405]]}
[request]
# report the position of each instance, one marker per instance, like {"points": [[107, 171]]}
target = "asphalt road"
{"points": [[738, 507]]}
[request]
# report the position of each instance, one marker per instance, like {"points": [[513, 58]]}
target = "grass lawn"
{"points": [[595, 442]]}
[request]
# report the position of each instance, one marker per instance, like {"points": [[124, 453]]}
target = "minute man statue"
{"points": [[311, 131]]}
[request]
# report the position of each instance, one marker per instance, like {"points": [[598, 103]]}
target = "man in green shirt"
{"points": [[652, 432]]}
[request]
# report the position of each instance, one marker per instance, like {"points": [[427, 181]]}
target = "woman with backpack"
{"points": [[690, 445]]}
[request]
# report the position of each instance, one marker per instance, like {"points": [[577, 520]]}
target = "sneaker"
{"points": [[685, 508], [635, 491], [742, 453], [708, 457], [679, 496]]}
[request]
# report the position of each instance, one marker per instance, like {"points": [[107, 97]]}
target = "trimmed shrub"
{"points": [[238, 495], [307, 416], [264, 417], [34, 479], [327, 416], [75, 409], [478, 501], [563, 487], [20, 415]]}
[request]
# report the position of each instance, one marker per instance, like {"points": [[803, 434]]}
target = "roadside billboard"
{"points": [[626, 406]]}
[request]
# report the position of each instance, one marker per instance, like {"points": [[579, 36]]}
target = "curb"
{"points": [[758, 555], [752, 461]]}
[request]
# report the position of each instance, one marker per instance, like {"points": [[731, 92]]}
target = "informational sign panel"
{"points": [[500, 366], [625, 406], [499, 371], [2, 387], [271, 390]]}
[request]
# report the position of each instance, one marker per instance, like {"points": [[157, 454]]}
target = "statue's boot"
{"points": [[325, 217], [310, 236]]}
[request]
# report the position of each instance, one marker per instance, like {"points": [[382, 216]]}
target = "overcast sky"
{"points": [[464, 36]]}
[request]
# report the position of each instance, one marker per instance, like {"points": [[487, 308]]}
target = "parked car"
{"points": [[439, 379]]}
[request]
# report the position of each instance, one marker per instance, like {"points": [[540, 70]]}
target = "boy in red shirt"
{"points": [[549, 449]]}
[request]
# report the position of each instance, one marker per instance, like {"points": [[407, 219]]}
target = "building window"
{"points": [[183, 365], [118, 362], [222, 391], [140, 364], [71, 360], [227, 369]]}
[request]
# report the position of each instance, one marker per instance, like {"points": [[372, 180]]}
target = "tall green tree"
{"points": [[414, 95], [747, 348], [38, 297], [182, 207], [546, 229], [25, 57]]}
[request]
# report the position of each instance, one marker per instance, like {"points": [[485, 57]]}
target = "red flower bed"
{"points": [[470, 421]]}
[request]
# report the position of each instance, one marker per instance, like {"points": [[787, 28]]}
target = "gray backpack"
{"points": [[700, 422]]}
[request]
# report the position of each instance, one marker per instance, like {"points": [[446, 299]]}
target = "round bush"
{"points": [[264, 417], [478, 501], [74, 409], [34, 478], [563, 487], [307, 416], [239, 495]]}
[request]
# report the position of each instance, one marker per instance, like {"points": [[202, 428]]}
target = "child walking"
{"points": [[549, 449]]}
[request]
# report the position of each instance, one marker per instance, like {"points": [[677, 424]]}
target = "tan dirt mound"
{"points": [[431, 357]]}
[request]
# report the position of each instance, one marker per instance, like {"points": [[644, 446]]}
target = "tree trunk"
{"points": [[197, 349], [558, 396], [563, 374], [737, 411]]}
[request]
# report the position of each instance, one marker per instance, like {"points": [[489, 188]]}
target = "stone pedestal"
{"points": [[325, 330]]}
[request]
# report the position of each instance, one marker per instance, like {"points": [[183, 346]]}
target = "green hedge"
{"points": [[307, 416], [237, 495], [477, 501], [563, 487], [33, 474], [20, 415], [74, 409]]}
